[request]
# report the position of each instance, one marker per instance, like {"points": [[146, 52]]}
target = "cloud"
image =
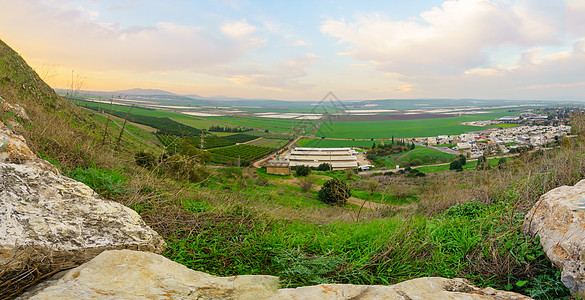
{"points": [[300, 43], [447, 40], [238, 30], [66, 35], [535, 76], [575, 19], [282, 75]]}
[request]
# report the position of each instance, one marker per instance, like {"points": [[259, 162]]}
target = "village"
{"points": [[498, 141]]}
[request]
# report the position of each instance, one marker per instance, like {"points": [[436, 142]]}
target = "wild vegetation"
{"points": [[234, 220]]}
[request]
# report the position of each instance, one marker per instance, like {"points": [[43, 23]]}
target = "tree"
{"points": [[456, 165], [306, 183], [462, 159], [303, 170], [334, 192], [324, 167], [482, 163], [374, 145]]}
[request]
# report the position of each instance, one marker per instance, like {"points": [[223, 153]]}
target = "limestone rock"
{"points": [[125, 274], [16, 109], [430, 288], [13, 149], [556, 219], [48, 219]]}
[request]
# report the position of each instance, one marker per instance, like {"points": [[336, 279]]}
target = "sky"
{"points": [[301, 50]]}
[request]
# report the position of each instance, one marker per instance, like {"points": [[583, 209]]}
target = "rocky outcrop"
{"points": [[18, 110], [125, 274], [13, 149], [560, 225], [48, 220]]}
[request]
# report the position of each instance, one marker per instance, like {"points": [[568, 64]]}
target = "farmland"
{"points": [[323, 143], [280, 125], [271, 143], [402, 128], [242, 152]]}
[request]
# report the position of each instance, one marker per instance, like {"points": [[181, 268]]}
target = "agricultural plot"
{"points": [[209, 142], [402, 128], [244, 153], [322, 143], [271, 143], [269, 135], [240, 138], [281, 125]]}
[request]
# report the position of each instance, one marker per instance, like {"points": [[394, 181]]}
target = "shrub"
{"points": [[306, 183], [334, 192], [303, 170], [456, 165], [145, 159], [416, 162], [324, 167]]}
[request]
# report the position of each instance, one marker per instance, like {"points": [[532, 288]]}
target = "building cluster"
{"points": [[500, 140], [338, 158]]}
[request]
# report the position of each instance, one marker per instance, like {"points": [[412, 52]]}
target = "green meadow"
{"points": [[403, 128]]}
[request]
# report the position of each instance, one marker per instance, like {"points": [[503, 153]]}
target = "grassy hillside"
{"points": [[231, 221]]}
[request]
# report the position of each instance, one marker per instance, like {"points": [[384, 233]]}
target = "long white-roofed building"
{"points": [[339, 158]]}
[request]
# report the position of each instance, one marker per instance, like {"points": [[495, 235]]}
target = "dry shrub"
{"points": [[306, 183]]}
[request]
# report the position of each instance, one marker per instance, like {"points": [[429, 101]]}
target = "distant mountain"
{"points": [[144, 92]]}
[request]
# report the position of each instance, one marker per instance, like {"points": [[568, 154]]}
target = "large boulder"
{"points": [[556, 219], [125, 274], [48, 220]]}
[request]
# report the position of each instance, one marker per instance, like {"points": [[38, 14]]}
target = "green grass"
{"points": [[322, 143], [426, 155], [446, 145], [384, 251], [384, 198], [402, 128], [279, 125], [470, 165], [105, 182]]}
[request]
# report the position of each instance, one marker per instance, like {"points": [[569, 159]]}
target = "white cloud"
{"points": [[300, 43], [67, 36], [238, 29], [282, 75], [449, 39]]}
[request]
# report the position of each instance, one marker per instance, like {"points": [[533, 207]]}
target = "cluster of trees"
{"points": [[394, 147], [458, 164], [303, 170], [217, 128]]}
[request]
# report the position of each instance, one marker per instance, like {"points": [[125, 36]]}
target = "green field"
{"points": [[470, 165], [403, 128], [280, 125], [319, 143], [426, 155]]}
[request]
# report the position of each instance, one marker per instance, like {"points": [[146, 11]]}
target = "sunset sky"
{"points": [[300, 50]]}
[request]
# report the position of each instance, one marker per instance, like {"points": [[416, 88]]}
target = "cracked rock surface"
{"points": [[125, 274], [556, 219]]}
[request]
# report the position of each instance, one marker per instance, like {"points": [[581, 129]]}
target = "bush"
{"points": [[306, 183], [303, 170], [456, 165], [334, 192], [324, 167], [145, 159]]}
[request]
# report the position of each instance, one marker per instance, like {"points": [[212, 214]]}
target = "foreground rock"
{"points": [[13, 149], [125, 274], [556, 219], [48, 220]]}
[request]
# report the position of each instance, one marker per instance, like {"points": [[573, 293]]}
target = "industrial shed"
{"points": [[339, 158]]}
